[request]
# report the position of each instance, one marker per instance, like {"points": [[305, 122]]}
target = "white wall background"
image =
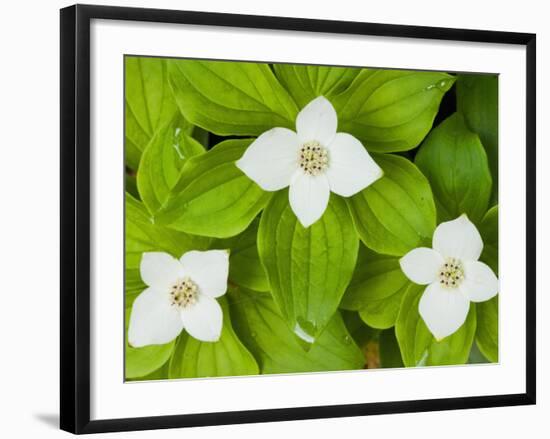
{"points": [[29, 238]]}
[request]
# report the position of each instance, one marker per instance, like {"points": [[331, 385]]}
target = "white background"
{"points": [[29, 248]]}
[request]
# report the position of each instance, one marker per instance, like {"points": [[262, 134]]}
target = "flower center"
{"points": [[313, 158], [451, 273], [184, 293]]}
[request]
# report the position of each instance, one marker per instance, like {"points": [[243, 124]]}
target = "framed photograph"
{"points": [[268, 218]]}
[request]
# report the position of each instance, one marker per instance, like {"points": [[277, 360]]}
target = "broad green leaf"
{"points": [[308, 268], [231, 98], [455, 163], [376, 288], [476, 357], [488, 228], [487, 312], [391, 110], [262, 328], [149, 104], [487, 328], [383, 313], [390, 355], [245, 268], [226, 357], [212, 196], [140, 362], [142, 235], [305, 82], [360, 332], [397, 212], [419, 347], [375, 277], [477, 100], [159, 374], [161, 164]]}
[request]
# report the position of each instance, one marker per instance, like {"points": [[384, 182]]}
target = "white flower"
{"points": [[453, 274], [181, 294], [313, 161]]}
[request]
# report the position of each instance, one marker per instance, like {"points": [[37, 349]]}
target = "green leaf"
{"points": [[262, 328], [140, 362], [305, 82], [487, 329], [391, 110], [161, 164], [376, 289], [360, 332], [308, 268], [390, 355], [487, 312], [383, 313], [159, 374], [231, 98], [397, 212], [212, 196], [476, 357], [455, 163], [419, 347], [477, 100], [226, 357], [488, 228], [144, 236], [149, 104], [245, 268]]}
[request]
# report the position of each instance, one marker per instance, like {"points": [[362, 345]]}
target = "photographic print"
{"points": [[285, 218]]}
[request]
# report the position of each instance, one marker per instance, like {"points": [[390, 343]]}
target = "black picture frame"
{"points": [[75, 217]]}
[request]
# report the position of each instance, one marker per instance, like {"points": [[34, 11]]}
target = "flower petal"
{"points": [[317, 121], [159, 270], [308, 196], [421, 265], [208, 269], [153, 319], [480, 283], [351, 168], [458, 238], [271, 159], [444, 310], [204, 319]]}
